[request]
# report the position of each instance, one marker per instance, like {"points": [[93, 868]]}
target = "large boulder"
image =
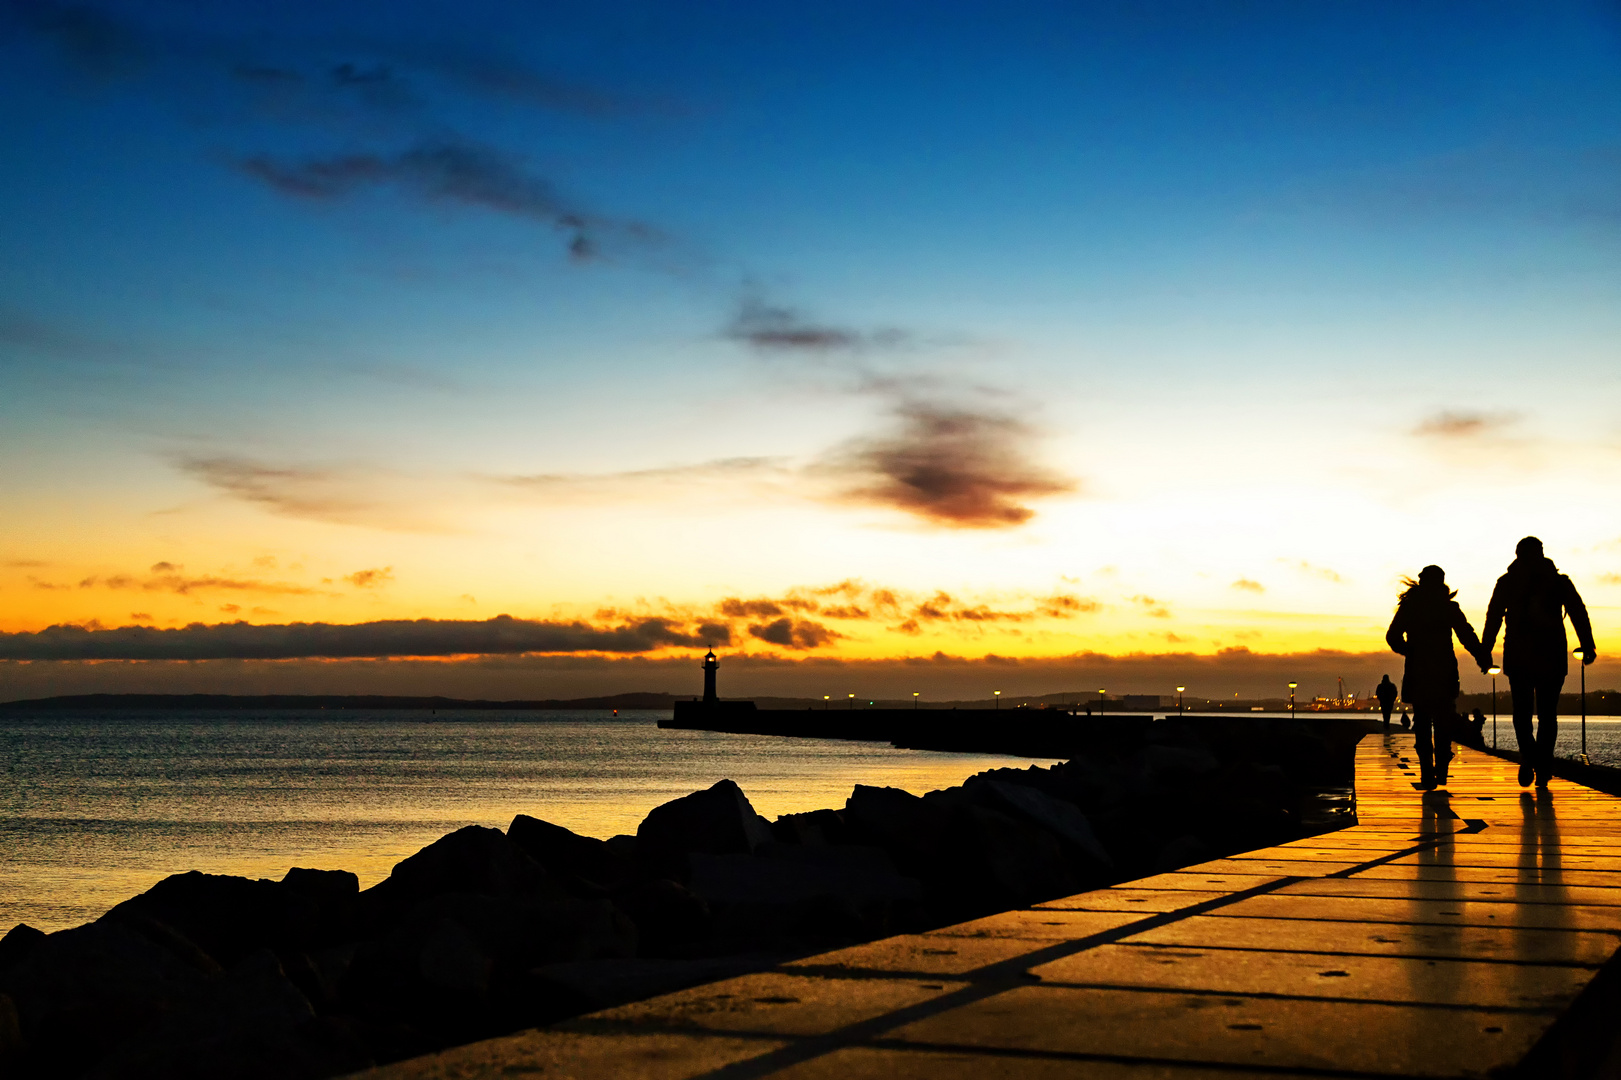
{"points": [[913, 830], [717, 821], [816, 828], [473, 859], [80, 993], [671, 920], [227, 917], [569, 854], [19, 942], [251, 1023], [1063, 819]]}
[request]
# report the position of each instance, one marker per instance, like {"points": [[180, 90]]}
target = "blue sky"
{"points": [[568, 307]]}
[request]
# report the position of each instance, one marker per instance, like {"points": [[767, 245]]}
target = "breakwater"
{"points": [[1050, 733]]}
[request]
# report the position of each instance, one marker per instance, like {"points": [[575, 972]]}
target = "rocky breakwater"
{"points": [[485, 932]]}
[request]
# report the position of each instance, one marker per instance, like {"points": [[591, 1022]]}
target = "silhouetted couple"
{"points": [[1533, 598]]}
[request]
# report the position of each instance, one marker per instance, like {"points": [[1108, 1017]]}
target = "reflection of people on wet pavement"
{"points": [[1533, 598], [1426, 618], [1386, 693]]}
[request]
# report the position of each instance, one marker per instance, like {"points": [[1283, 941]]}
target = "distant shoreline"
{"points": [[77, 702]]}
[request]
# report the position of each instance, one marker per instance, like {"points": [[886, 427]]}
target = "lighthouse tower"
{"points": [[710, 664]]}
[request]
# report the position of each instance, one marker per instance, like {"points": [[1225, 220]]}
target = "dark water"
{"points": [[94, 809]]}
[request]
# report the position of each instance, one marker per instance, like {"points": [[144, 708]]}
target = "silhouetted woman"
{"points": [[1534, 598], [1426, 618]]}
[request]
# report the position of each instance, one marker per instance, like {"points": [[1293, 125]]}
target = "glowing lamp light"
{"points": [[1494, 671]]}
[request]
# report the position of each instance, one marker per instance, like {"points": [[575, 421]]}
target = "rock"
{"points": [[474, 859], [669, 917], [1063, 819], [911, 829], [792, 896], [227, 917], [563, 852], [12, 1045], [336, 895], [20, 941], [252, 1023], [785, 874], [1174, 764], [606, 983], [818, 828], [1001, 861], [81, 992], [716, 821]]}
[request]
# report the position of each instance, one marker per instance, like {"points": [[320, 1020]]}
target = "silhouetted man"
{"points": [[1426, 618], [1386, 693], [1534, 598]]}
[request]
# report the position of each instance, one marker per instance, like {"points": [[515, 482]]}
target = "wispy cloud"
{"points": [[1463, 424], [169, 577], [341, 496], [778, 328], [1246, 585], [958, 467], [725, 473], [1313, 570], [370, 579], [451, 172]]}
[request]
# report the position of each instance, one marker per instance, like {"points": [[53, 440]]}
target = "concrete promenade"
{"points": [[1445, 934]]}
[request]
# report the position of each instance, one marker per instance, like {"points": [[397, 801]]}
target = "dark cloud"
{"points": [[738, 609], [794, 633], [90, 39], [370, 579], [421, 637], [956, 467], [462, 173], [1462, 425]]}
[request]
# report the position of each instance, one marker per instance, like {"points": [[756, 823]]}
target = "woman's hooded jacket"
{"points": [[1426, 618]]}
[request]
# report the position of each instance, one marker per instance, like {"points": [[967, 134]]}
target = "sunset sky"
{"points": [[818, 333]]}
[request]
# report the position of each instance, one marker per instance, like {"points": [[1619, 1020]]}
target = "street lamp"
{"points": [[827, 698], [1179, 699], [1292, 700], [1494, 671], [1102, 697], [914, 701], [852, 703], [997, 694]]}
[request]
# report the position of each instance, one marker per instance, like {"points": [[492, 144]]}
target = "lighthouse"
{"points": [[710, 665]]}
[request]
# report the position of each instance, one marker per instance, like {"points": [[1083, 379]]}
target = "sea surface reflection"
{"points": [[95, 808]]}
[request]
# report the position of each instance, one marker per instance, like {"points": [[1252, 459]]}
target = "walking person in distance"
{"points": [[1427, 616], [1386, 693], [1533, 598]]}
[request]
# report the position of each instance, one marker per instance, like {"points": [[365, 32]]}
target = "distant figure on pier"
{"points": [[1534, 598], [1386, 693], [1427, 616]]}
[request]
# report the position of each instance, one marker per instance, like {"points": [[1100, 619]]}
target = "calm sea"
{"points": [[94, 809]]}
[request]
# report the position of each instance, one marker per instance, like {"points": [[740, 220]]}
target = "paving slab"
{"points": [[1442, 935]]}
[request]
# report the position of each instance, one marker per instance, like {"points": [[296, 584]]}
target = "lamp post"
{"points": [[1582, 656], [852, 703], [1103, 696], [997, 695], [1292, 700], [828, 702], [1494, 671], [914, 701], [1179, 699]]}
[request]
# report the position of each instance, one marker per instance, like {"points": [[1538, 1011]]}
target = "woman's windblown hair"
{"points": [[1431, 585]]}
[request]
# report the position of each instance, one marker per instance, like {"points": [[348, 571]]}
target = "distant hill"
{"points": [[104, 702]]}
